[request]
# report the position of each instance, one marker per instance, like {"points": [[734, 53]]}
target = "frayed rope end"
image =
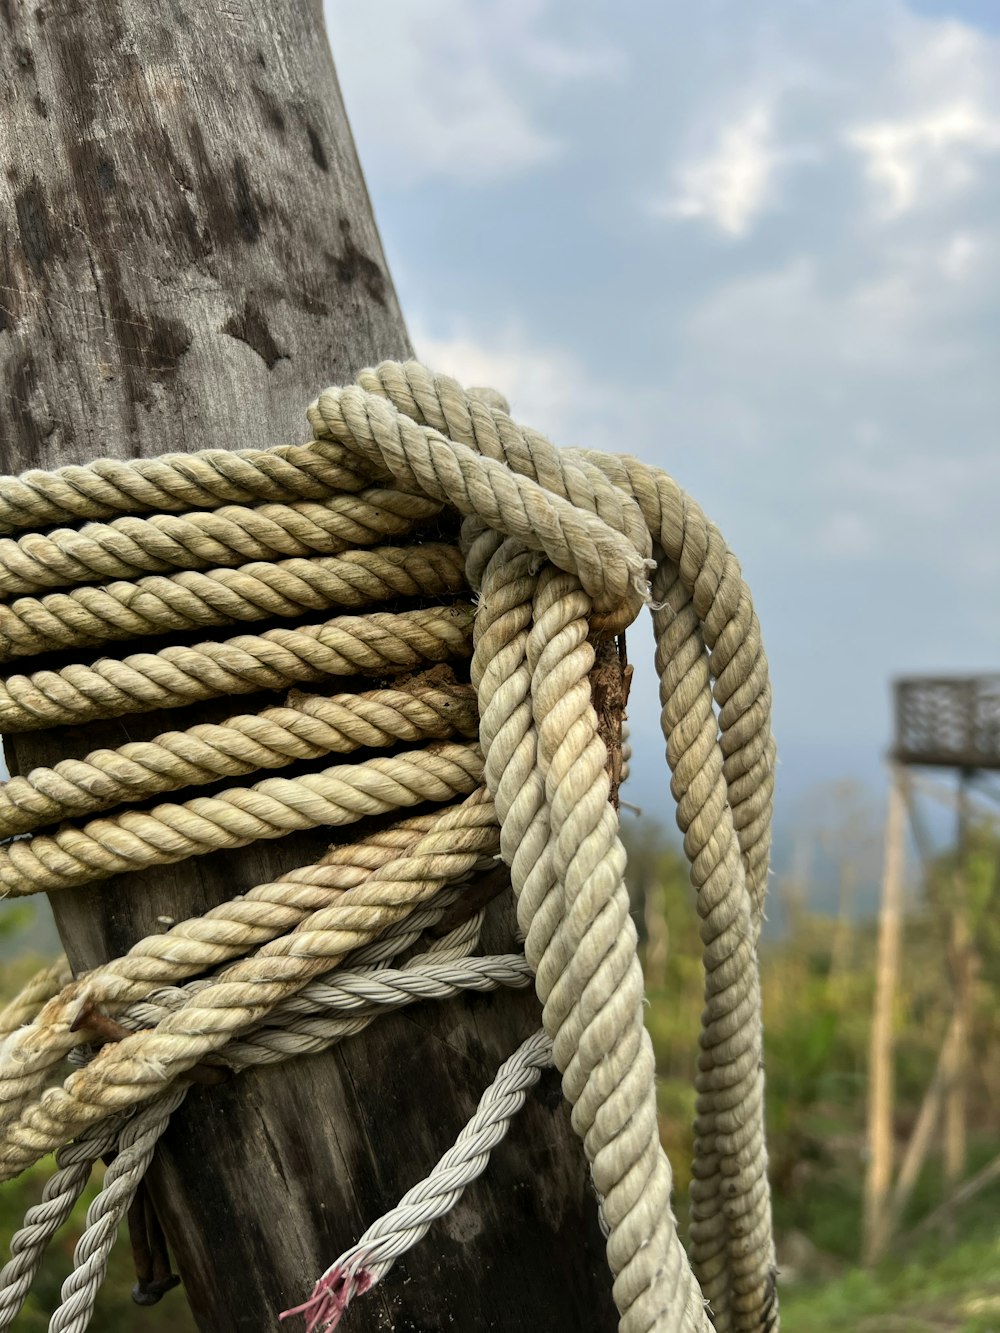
{"points": [[330, 1298]]}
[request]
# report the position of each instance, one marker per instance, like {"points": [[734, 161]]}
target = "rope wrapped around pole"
{"points": [[561, 549]]}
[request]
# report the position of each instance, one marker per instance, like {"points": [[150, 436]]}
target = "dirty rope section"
{"points": [[559, 550]]}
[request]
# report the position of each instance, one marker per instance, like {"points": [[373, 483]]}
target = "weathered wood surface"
{"points": [[187, 254]]}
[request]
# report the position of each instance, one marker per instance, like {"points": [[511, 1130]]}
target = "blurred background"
{"points": [[755, 245]]}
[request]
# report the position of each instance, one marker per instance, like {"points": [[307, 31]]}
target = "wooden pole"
{"points": [[924, 1129], [654, 909], [878, 1176], [187, 255], [959, 958]]}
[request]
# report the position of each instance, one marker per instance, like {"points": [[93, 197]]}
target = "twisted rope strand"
{"points": [[366, 1263], [420, 457], [130, 546], [134, 1069], [442, 970], [480, 418], [190, 600], [678, 525], [32, 997], [721, 600], [201, 943], [174, 483], [306, 727], [136, 1143], [273, 808], [74, 1164], [364, 996], [383, 643]]}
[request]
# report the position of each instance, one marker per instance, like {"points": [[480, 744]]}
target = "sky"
{"points": [[755, 245]]}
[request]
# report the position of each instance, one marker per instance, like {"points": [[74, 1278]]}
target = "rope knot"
{"points": [[462, 447]]}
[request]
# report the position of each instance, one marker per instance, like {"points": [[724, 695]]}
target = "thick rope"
{"points": [[128, 547], [442, 970], [438, 847], [137, 839], [134, 1069], [45, 984], [423, 459], [192, 600], [559, 546], [732, 1214], [379, 644], [307, 726], [174, 483]]}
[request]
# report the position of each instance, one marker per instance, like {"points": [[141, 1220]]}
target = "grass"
{"points": [[936, 1289]]}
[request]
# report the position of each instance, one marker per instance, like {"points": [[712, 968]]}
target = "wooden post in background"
{"points": [[187, 256], [960, 969], [878, 1175]]}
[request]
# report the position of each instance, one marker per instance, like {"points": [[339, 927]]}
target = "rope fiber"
{"points": [[558, 551]]}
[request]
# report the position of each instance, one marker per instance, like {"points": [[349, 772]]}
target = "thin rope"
{"points": [[366, 1263], [442, 970]]}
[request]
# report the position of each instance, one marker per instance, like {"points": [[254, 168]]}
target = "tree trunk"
{"points": [[187, 255]]}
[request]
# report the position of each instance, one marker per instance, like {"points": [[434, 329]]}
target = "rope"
{"points": [[174, 483], [428, 707], [134, 1069], [374, 645], [191, 600], [128, 547], [731, 1233], [367, 1262], [46, 983], [136, 1144], [442, 970], [317, 913], [74, 1164], [559, 547], [135, 840]]}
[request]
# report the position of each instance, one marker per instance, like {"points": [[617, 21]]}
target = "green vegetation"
{"points": [[817, 983], [954, 1289]]}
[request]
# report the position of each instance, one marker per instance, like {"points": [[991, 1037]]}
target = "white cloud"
{"points": [[921, 157], [445, 90], [826, 388], [729, 184], [928, 127]]}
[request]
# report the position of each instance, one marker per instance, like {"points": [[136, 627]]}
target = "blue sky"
{"points": [[753, 244]]}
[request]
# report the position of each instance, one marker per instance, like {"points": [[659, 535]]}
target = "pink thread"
{"points": [[330, 1298]]}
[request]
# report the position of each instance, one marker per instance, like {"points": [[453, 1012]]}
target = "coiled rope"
{"points": [[559, 546]]}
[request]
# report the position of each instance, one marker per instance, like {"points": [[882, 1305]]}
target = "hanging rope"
{"points": [[560, 547]]}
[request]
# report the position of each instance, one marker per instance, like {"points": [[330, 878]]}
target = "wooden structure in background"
{"points": [[188, 256], [951, 723], [948, 722]]}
